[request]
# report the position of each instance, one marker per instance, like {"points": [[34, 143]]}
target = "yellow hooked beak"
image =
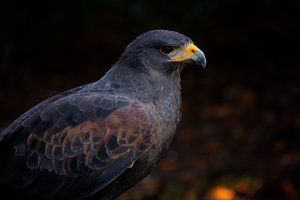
{"points": [[188, 52]]}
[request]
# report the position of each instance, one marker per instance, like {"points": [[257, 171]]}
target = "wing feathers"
{"points": [[96, 137]]}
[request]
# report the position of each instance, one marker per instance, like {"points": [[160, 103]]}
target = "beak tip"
{"points": [[200, 59], [203, 64]]}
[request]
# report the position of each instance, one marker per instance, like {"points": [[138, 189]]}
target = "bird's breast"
{"points": [[165, 112]]}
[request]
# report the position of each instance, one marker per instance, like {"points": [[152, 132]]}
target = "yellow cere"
{"points": [[185, 52]]}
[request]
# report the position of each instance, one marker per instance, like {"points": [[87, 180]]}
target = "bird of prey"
{"points": [[100, 138]]}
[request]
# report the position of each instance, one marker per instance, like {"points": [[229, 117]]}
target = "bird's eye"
{"points": [[167, 49]]}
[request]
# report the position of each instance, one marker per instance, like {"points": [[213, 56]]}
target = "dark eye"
{"points": [[167, 49]]}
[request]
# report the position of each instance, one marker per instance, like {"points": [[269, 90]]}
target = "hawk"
{"points": [[103, 137]]}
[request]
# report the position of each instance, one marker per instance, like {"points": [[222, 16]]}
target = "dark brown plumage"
{"points": [[102, 137]]}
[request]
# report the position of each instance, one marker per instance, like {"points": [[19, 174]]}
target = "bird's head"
{"points": [[163, 50]]}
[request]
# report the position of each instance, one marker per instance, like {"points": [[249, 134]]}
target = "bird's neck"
{"points": [[145, 86]]}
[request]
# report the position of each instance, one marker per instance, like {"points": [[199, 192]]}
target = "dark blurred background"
{"points": [[240, 133]]}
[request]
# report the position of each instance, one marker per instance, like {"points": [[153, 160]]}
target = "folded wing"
{"points": [[80, 142]]}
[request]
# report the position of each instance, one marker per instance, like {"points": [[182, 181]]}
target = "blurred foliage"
{"points": [[239, 136]]}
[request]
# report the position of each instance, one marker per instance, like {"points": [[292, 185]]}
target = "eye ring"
{"points": [[167, 49]]}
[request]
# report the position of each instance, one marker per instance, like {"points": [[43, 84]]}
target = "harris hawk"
{"points": [[103, 137]]}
